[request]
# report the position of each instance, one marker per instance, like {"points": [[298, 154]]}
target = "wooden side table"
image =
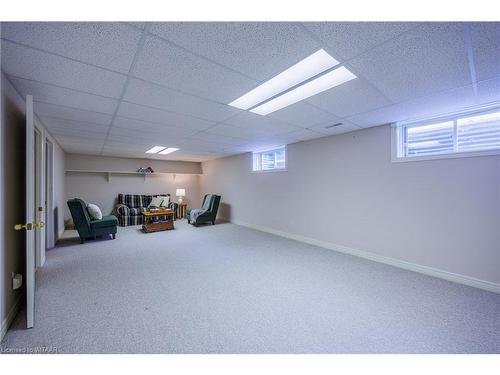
{"points": [[181, 210], [158, 220]]}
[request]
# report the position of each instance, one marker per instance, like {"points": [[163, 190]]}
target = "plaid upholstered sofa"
{"points": [[130, 207]]}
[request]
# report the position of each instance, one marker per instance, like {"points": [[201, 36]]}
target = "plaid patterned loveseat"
{"points": [[130, 207]]}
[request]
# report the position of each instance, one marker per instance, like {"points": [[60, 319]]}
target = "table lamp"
{"points": [[180, 193]]}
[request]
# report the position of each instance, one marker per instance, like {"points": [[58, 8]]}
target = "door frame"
{"points": [[49, 193], [40, 195]]}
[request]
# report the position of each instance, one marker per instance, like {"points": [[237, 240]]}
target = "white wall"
{"points": [[12, 193], [94, 187], [59, 189], [344, 190]]}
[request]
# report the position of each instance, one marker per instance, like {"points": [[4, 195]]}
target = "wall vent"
{"points": [[333, 125]]}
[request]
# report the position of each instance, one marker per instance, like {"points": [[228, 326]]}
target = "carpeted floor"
{"points": [[229, 289]]}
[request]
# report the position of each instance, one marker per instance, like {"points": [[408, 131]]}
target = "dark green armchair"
{"points": [[88, 228], [210, 214]]}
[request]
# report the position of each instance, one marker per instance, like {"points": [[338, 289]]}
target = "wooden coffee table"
{"points": [[158, 220]]}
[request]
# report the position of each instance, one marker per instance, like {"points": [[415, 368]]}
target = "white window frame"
{"points": [[398, 131], [275, 169]]}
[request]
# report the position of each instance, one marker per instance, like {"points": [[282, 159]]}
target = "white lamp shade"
{"points": [[180, 192]]}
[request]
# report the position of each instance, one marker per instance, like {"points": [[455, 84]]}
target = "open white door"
{"points": [[30, 213], [30, 224]]}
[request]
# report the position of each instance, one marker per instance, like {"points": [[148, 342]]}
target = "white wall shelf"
{"points": [[108, 174]]}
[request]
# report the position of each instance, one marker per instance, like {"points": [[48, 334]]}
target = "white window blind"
{"points": [[268, 160], [460, 134], [481, 132], [429, 139]]}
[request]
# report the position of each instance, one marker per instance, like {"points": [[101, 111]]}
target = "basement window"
{"points": [[270, 160], [464, 134]]}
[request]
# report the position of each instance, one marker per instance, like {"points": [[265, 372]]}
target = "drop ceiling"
{"points": [[117, 89]]}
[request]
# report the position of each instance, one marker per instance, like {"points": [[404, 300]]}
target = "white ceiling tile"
{"points": [[423, 67], [60, 96], [79, 141], [259, 50], [79, 134], [28, 63], [352, 97], [166, 140], [79, 149], [381, 116], [68, 113], [221, 139], [140, 112], [193, 144], [152, 130], [349, 39], [302, 114], [146, 138], [486, 45], [200, 148], [488, 91], [288, 138], [128, 146], [428, 106], [149, 94], [108, 44], [260, 124], [236, 132], [144, 126], [426, 59], [166, 64], [57, 123]]}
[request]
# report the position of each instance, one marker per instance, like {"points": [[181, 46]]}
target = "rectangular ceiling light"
{"points": [[155, 149], [326, 81], [168, 151], [311, 66]]}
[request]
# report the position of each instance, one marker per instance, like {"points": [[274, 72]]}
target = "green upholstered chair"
{"points": [[88, 228], [210, 214]]}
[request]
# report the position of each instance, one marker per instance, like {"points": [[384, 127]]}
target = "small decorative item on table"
{"points": [[145, 170]]}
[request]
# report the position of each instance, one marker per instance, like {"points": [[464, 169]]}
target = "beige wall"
{"points": [[346, 191], [12, 193], [94, 187]]}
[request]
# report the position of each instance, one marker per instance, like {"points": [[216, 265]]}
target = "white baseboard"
{"points": [[11, 315], [430, 271]]}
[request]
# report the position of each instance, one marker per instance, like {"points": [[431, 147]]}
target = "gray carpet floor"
{"points": [[229, 289]]}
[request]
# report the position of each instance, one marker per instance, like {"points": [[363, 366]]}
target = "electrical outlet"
{"points": [[17, 280]]}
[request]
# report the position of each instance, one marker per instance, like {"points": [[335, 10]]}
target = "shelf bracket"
{"points": [[108, 177]]}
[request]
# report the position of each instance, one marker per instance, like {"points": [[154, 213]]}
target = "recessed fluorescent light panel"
{"points": [[326, 81], [311, 66], [155, 149], [168, 151]]}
